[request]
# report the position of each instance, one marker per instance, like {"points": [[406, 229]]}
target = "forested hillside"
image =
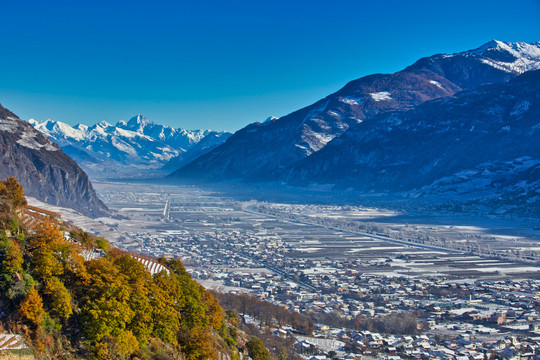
{"points": [[109, 307]]}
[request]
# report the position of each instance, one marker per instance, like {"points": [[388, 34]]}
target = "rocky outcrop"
{"points": [[44, 170]]}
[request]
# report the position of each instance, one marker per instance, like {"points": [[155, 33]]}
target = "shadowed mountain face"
{"points": [[265, 151], [268, 151], [212, 140], [44, 170], [479, 143]]}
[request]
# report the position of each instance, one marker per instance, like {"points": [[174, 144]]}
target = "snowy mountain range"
{"points": [[268, 151], [138, 147]]}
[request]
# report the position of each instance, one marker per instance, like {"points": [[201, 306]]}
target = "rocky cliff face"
{"points": [[44, 170], [267, 151]]}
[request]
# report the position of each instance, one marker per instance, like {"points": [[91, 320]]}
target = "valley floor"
{"points": [[462, 273]]}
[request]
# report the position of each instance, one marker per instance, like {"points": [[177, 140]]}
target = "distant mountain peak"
{"points": [[139, 119], [103, 124], [270, 119], [491, 44]]}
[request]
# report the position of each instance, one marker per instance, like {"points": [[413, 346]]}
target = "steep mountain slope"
{"points": [[267, 151], [205, 145], [477, 144], [130, 148], [111, 304], [44, 170]]}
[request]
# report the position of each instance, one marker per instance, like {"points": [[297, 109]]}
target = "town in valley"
{"points": [[468, 289]]}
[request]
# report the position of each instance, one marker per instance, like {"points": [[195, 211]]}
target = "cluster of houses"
{"points": [[369, 345]]}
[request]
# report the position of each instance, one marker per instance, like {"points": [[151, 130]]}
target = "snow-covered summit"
{"points": [[514, 57], [270, 119], [62, 133], [137, 123]]}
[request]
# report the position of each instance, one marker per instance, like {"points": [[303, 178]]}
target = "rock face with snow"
{"points": [[44, 170], [268, 151], [130, 148], [480, 145]]}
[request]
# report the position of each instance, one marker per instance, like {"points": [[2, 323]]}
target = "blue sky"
{"points": [[224, 64]]}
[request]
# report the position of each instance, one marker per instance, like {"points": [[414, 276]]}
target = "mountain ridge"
{"points": [[267, 151]]}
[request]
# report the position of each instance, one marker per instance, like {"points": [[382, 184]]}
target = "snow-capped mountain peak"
{"points": [[62, 133], [270, 119], [514, 57], [103, 124], [267, 152], [138, 123], [81, 127]]}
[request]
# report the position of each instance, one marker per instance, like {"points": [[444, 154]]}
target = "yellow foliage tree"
{"points": [[197, 343], [46, 252], [10, 256], [15, 192], [49, 233], [214, 312], [31, 308], [59, 303], [256, 349]]}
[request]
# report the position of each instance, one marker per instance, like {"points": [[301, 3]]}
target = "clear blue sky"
{"points": [[224, 64]]}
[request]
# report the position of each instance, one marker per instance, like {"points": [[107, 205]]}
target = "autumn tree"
{"points": [[214, 312], [11, 259], [105, 301], [256, 349], [197, 343], [140, 282], [59, 298], [15, 192], [31, 308]]}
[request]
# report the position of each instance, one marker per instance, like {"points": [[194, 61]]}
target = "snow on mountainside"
{"points": [[516, 57], [267, 151], [44, 170], [480, 146], [136, 147], [493, 62]]}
